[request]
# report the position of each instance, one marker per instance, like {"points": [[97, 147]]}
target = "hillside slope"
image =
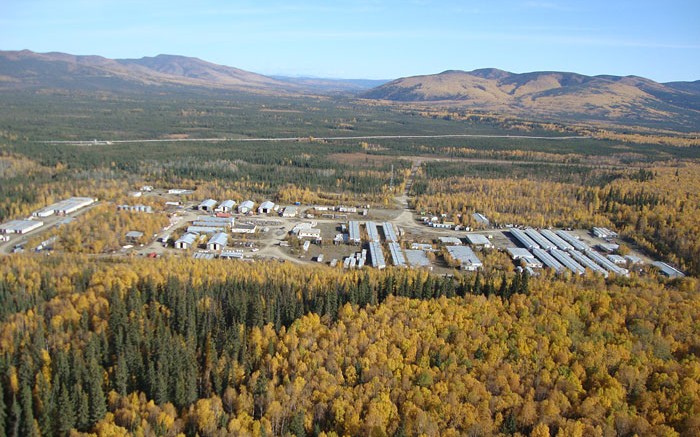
{"points": [[551, 94]]}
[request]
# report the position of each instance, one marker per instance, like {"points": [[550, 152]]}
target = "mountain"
{"points": [[26, 70], [327, 85], [551, 94]]}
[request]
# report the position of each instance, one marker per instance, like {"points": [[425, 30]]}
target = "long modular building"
{"points": [[524, 239], [571, 239], [376, 255], [556, 239], [397, 257], [668, 270], [606, 263], [65, 207], [372, 231], [539, 239], [389, 233], [567, 261], [587, 262], [20, 226], [548, 260], [354, 232], [465, 256], [418, 258]]}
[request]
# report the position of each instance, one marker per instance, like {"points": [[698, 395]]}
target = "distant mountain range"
{"points": [[547, 95], [550, 93]]}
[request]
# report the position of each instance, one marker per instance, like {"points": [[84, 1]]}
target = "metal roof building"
{"points": [[450, 240], [202, 255], [354, 232], [481, 219], [397, 257], [556, 239], [376, 255], [523, 239], [290, 211], [226, 205], [207, 205], [604, 233], [20, 226], [244, 228], [478, 240], [372, 231], [218, 241], [668, 270], [246, 207], [204, 229], [465, 256], [186, 241], [567, 261], [417, 258], [606, 263], [571, 239], [539, 239], [548, 260], [266, 207], [617, 259], [389, 233], [520, 253], [587, 262]]}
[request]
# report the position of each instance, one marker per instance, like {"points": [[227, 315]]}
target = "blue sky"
{"points": [[372, 38]]}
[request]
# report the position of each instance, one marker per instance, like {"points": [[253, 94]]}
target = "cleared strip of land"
{"points": [[311, 138]]}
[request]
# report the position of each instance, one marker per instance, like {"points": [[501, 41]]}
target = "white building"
{"points": [[226, 206], [290, 211], [20, 226], [65, 207], [218, 242], [479, 240], [186, 241], [246, 207], [243, 228], [207, 205], [266, 207]]}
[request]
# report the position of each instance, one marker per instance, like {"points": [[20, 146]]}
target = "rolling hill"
{"points": [[551, 94], [29, 70]]}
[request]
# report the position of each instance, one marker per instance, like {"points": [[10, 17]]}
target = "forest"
{"points": [[93, 343], [162, 347]]}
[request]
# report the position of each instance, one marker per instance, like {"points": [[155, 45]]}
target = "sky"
{"points": [[373, 39]]}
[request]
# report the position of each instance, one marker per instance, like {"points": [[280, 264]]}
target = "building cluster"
{"points": [[65, 207], [307, 230], [562, 251]]}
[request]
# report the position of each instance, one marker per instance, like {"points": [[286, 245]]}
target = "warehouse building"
{"points": [[218, 242], [573, 240], [539, 239], [557, 240], [479, 240], [246, 207], [567, 261], [376, 255], [205, 220], [453, 241], [524, 239], [587, 262], [266, 207], [65, 207], [606, 263], [372, 232], [207, 205], [196, 229], [389, 233], [548, 260], [20, 226], [604, 233], [518, 253], [354, 232], [668, 270], [481, 219], [186, 241], [134, 236], [226, 206], [418, 259], [465, 256], [397, 257], [289, 212]]}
